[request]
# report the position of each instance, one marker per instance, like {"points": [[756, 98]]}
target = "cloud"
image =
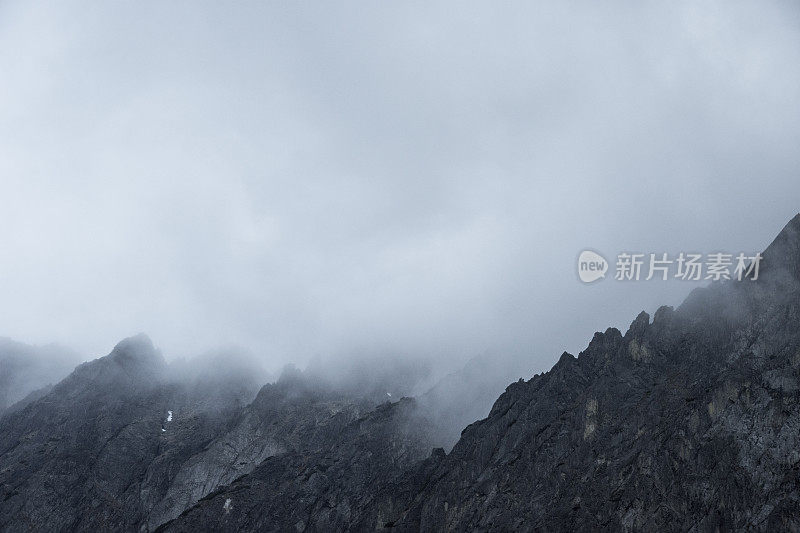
{"points": [[405, 179]]}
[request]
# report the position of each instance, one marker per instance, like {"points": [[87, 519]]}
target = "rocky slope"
{"points": [[101, 448], [333, 486], [690, 422], [127, 442]]}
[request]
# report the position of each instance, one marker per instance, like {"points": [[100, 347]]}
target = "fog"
{"points": [[28, 370], [319, 182]]}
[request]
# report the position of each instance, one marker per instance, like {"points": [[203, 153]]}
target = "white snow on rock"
{"points": [[169, 419], [227, 507]]}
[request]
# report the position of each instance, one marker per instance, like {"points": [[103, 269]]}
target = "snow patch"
{"points": [[227, 507], [169, 419]]}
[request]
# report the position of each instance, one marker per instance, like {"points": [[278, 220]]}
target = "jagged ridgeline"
{"points": [[688, 422]]}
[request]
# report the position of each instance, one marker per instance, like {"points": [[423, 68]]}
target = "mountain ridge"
{"points": [[687, 421]]}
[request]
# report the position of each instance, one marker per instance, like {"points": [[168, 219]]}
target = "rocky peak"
{"points": [[783, 254], [136, 349], [136, 361], [639, 326], [663, 315]]}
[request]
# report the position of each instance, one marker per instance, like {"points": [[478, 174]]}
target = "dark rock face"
{"points": [[290, 415], [100, 449], [340, 483], [127, 442], [690, 421]]}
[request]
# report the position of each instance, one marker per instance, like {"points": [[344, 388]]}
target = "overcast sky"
{"points": [[390, 178]]}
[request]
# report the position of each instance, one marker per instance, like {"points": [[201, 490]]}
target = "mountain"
{"points": [[101, 448], [686, 422], [129, 442]]}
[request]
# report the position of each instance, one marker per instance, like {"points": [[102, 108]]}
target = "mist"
{"points": [[394, 182], [27, 370]]}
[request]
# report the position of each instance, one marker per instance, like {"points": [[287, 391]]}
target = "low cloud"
{"points": [[399, 181]]}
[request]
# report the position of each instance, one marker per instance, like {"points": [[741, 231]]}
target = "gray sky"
{"points": [[379, 178]]}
